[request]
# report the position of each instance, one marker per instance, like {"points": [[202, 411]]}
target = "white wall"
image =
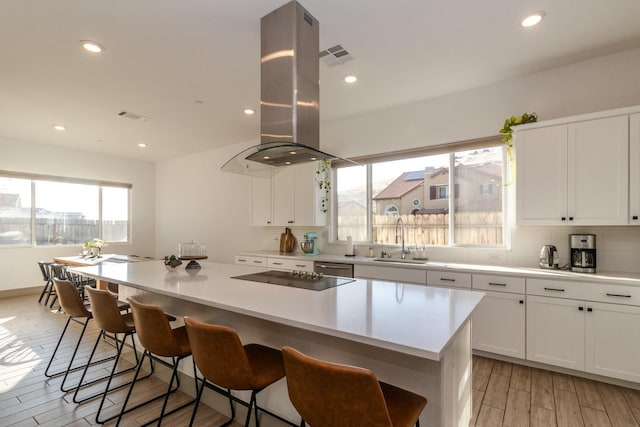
{"points": [[18, 265]]}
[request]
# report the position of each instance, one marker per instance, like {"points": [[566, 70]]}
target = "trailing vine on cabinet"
{"points": [[323, 178]]}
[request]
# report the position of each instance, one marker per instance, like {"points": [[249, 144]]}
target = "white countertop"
{"points": [[605, 277], [411, 319]]}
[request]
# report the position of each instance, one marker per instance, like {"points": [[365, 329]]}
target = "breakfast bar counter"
{"points": [[412, 336]]}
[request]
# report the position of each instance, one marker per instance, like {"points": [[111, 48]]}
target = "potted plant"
{"points": [[507, 131], [171, 262]]}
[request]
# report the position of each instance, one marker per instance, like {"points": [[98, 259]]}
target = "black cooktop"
{"points": [[296, 279]]}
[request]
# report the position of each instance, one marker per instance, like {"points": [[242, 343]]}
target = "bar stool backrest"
{"points": [[220, 355], [153, 329], [329, 394], [104, 308], [44, 269], [69, 299]]}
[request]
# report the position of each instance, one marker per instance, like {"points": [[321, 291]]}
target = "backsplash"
{"points": [[618, 248]]}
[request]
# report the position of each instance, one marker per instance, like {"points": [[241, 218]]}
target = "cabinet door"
{"points": [[541, 176], [395, 274], [260, 201], [598, 172], [555, 331], [634, 169], [612, 340], [283, 188], [498, 324]]}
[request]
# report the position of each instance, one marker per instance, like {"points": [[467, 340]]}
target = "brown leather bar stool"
{"points": [[108, 317], [159, 339], [330, 395], [80, 312], [225, 362]]}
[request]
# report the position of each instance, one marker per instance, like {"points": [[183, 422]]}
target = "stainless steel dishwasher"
{"points": [[333, 268]]}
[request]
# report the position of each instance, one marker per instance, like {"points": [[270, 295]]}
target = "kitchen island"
{"points": [[412, 336]]}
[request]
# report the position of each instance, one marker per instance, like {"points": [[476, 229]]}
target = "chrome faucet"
{"points": [[403, 252]]}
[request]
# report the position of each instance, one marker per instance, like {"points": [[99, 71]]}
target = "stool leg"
{"points": [[64, 330], [198, 396], [252, 402]]}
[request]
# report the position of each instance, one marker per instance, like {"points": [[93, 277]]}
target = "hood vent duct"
{"points": [[290, 92]]}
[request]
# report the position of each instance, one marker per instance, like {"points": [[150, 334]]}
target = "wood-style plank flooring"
{"points": [[510, 395], [504, 394]]}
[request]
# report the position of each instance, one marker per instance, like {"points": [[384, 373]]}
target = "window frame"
{"points": [[450, 149], [69, 180]]}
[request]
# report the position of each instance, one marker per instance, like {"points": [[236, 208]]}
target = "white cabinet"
{"points": [[290, 198], [555, 331], [261, 208], [498, 324], [582, 333], [254, 261], [634, 169], [289, 264], [499, 320], [612, 340], [448, 279], [573, 174]]}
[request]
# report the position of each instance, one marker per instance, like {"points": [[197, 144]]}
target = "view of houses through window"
{"points": [[436, 207], [42, 212]]}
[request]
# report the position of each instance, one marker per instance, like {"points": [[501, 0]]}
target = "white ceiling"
{"points": [[164, 55]]}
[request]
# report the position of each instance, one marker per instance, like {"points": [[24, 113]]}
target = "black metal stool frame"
{"points": [[174, 375], [253, 404], [113, 373]]}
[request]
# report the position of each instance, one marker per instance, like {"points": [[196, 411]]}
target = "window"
{"points": [[460, 208], [53, 211]]}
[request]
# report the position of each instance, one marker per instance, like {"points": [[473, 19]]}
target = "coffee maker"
{"points": [[583, 252]]}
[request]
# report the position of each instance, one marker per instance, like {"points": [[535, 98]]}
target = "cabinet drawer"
{"points": [[616, 294], [498, 283], [289, 264], [396, 274], [256, 261], [556, 288], [449, 279]]}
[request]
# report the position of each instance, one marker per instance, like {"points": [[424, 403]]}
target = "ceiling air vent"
{"points": [[335, 55], [133, 116]]}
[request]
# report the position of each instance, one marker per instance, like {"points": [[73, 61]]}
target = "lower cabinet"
{"points": [[599, 338], [396, 274], [498, 324], [555, 331]]}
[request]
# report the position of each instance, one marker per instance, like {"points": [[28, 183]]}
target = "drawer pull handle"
{"points": [[581, 308], [337, 267], [300, 265], [521, 301], [554, 289], [277, 263], [242, 260], [589, 309], [257, 262], [497, 284], [618, 295], [445, 279]]}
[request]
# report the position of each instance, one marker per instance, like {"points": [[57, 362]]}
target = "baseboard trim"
{"points": [[8, 293]]}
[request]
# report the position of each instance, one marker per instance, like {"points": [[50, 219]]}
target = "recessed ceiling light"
{"points": [[287, 163], [248, 111], [313, 158], [266, 157], [59, 127], [350, 79], [142, 145], [91, 46], [533, 19], [293, 153]]}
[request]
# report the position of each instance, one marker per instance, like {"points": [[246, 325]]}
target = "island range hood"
{"points": [[290, 92]]}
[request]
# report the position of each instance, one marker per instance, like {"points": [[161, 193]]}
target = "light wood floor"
{"points": [[504, 394]]}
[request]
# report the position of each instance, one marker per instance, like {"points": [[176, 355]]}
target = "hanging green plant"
{"points": [[507, 131], [323, 178]]}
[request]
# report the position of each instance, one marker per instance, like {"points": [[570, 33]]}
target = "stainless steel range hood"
{"points": [[290, 92]]}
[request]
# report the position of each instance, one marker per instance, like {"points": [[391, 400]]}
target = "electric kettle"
{"points": [[549, 257]]}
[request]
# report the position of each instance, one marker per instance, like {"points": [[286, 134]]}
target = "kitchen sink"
{"points": [[402, 261]]}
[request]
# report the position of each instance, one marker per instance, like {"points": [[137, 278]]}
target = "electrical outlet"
{"points": [[495, 258]]}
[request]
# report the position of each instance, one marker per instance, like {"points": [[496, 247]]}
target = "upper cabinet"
{"points": [[290, 198], [574, 174]]}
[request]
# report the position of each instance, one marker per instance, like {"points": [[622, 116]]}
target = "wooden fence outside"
{"points": [[55, 231], [471, 228]]}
